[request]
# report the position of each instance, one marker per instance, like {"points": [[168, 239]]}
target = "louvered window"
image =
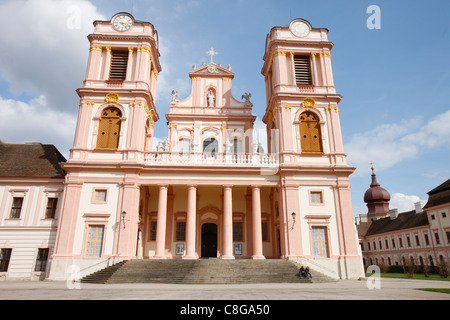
{"points": [[302, 70], [119, 62]]}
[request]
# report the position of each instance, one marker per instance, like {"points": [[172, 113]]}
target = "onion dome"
{"points": [[377, 198]]}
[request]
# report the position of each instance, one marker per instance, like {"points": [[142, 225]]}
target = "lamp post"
{"points": [[293, 214], [123, 214]]}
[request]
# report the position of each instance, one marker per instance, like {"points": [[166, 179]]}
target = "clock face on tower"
{"points": [[122, 23], [300, 29]]}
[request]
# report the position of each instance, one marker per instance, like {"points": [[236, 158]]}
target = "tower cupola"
{"points": [[377, 199]]}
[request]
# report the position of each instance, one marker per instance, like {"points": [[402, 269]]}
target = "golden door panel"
{"points": [[311, 140], [109, 129]]}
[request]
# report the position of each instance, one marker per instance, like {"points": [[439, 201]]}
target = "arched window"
{"points": [[237, 145], [310, 136], [184, 145], [210, 146], [109, 129]]}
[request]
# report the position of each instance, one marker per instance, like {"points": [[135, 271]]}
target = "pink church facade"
{"points": [[209, 190]]}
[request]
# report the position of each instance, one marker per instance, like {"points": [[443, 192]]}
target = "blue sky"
{"points": [[395, 80]]}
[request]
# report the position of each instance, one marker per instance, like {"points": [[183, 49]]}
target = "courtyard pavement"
{"points": [[369, 289]]}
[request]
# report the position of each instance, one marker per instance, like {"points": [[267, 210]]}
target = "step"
{"points": [[201, 271]]}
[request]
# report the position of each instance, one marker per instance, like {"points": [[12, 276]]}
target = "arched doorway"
{"points": [[209, 240]]}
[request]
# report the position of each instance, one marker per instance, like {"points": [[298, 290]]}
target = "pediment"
{"points": [[211, 69]]}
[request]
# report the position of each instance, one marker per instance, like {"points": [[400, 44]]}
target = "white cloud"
{"points": [[44, 55], [36, 122], [404, 202], [45, 47], [389, 144]]}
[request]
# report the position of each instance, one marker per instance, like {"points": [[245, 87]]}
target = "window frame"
{"points": [[183, 144], [320, 242], [5, 260], [41, 260], [312, 199], [16, 210], [152, 232], [95, 241], [306, 60], [213, 151], [238, 231], [53, 208], [96, 199], [180, 231], [118, 72]]}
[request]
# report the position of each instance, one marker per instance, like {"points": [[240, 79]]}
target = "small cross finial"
{"points": [[371, 163], [212, 53]]}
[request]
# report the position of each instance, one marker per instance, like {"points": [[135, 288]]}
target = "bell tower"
{"points": [[302, 103], [115, 127], [303, 126], [117, 109]]}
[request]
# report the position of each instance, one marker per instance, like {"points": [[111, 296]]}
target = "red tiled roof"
{"points": [[439, 195], [404, 220], [30, 160]]}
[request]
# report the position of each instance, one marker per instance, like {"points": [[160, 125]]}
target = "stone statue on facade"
{"points": [[175, 96], [228, 146], [211, 99], [246, 96], [163, 146]]}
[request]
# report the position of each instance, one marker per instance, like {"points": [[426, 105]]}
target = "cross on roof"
{"points": [[212, 53]]}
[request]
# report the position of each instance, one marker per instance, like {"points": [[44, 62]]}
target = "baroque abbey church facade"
{"points": [[207, 191]]}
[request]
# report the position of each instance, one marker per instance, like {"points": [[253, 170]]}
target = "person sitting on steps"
{"points": [[301, 272], [307, 273], [304, 272]]}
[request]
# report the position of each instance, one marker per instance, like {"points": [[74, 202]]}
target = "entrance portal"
{"points": [[209, 240]]}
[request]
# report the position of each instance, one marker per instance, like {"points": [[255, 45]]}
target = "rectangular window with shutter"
{"points": [[119, 62], [302, 70]]}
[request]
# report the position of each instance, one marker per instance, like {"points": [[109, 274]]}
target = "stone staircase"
{"points": [[202, 271]]}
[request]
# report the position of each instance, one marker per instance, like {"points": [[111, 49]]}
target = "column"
{"points": [[161, 223], [191, 222], [227, 222], [256, 222]]}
